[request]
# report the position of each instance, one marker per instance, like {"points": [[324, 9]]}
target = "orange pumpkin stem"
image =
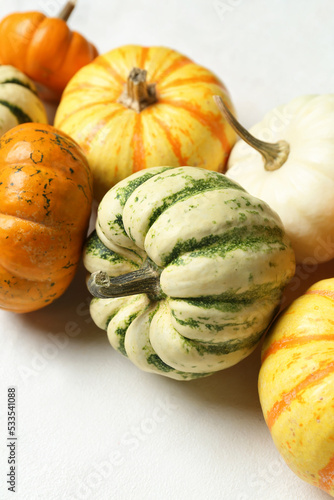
{"points": [[137, 93], [67, 10], [274, 154]]}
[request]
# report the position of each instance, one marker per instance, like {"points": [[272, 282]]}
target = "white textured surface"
{"points": [[90, 425]]}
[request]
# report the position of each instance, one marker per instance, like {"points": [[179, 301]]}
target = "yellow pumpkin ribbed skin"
{"points": [[296, 385], [184, 126]]}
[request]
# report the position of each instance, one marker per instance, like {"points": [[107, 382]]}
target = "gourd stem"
{"points": [[137, 93], [274, 154], [144, 280], [67, 10]]}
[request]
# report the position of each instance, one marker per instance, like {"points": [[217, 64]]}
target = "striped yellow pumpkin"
{"points": [[296, 385], [125, 123]]}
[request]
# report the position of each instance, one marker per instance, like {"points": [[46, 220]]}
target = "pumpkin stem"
{"points": [[274, 154], [137, 93], [67, 10], [144, 280]]}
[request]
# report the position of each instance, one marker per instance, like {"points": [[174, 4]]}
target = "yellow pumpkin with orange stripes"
{"points": [[138, 107], [296, 385]]}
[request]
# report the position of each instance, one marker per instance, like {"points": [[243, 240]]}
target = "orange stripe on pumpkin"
{"points": [[208, 120], [313, 379], [83, 87], [174, 142], [138, 157], [85, 106], [288, 342], [324, 293], [179, 63], [326, 476], [143, 57], [193, 80], [105, 64], [87, 142]]}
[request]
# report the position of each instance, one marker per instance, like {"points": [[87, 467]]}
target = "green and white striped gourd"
{"points": [[19, 102], [206, 263]]}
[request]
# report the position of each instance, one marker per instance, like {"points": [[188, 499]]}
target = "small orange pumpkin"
{"points": [[45, 205], [44, 48]]}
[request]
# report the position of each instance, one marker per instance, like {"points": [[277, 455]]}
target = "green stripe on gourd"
{"points": [[134, 254], [18, 100], [212, 246], [214, 325], [216, 260], [141, 353], [22, 104], [151, 199], [215, 319], [110, 212], [103, 311], [212, 226], [120, 322], [20, 115], [231, 301], [16, 81], [11, 75], [97, 255], [225, 275], [193, 356], [125, 188]]}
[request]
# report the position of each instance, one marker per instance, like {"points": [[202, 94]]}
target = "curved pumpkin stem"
{"points": [[137, 93], [67, 10], [144, 280], [274, 154]]}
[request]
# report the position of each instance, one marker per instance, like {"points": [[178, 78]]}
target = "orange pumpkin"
{"points": [[45, 205], [138, 107], [44, 48]]}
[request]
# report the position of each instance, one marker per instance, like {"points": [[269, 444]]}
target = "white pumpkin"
{"points": [[295, 175], [18, 100]]}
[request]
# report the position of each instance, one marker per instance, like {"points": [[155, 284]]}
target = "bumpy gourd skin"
{"points": [[224, 259], [296, 385], [45, 205]]}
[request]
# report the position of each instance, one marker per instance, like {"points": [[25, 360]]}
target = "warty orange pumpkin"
{"points": [[45, 205], [44, 48], [139, 107]]}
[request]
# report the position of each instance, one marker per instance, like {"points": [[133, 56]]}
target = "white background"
{"points": [[91, 425]]}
